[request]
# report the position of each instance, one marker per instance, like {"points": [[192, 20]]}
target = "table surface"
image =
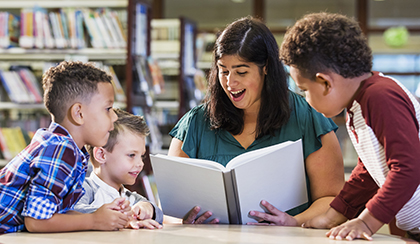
{"points": [[203, 234]]}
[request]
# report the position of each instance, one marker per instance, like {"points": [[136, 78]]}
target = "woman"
{"points": [[249, 106]]}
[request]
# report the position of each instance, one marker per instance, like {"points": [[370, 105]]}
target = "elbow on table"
{"points": [[33, 225]]}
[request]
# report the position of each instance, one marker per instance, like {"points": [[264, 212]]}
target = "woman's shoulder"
{"points": [[298, 103], [303, 112], [195, 115]]}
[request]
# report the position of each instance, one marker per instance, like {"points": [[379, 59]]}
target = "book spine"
{"points": [[234, 209], [3, 146]]}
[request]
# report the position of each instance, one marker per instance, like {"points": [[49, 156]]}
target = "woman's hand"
{"points": [[191, 217], [272, 216]]}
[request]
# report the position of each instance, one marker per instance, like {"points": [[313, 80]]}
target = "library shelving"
{"points": [[173, 45], [38, 34]]}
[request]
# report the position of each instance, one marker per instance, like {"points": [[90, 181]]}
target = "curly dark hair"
{"points": [[323, 42], [251, 41], [69, 82], [126, 122]]}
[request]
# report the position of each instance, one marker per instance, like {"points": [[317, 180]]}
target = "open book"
{"points": [[275, 174]]}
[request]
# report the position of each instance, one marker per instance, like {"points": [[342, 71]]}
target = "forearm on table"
{"points": [[318, 207], [72, 221], [372, 223]]}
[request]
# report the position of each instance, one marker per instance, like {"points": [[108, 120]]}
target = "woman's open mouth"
{"points": [[238, 93]]}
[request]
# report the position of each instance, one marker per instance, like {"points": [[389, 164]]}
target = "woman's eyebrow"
{"points": [[235, 66]]}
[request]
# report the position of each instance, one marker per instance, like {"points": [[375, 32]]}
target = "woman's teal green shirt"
{"points": [[199, 141]]}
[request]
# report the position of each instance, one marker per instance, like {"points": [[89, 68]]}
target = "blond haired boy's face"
{"points": [[125, 162], [99, 116], [317, 94]]}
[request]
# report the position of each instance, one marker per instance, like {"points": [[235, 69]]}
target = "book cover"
{"points": [[275, 174]]}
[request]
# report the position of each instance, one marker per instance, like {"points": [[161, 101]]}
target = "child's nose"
{"points": [[114, 116]]}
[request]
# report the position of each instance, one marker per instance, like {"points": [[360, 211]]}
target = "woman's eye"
{"points": [[242, 73], [132, 155]]}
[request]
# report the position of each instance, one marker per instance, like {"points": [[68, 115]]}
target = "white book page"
{"points": [[249, 156], [183, 183], [197, 162], [277, 177]]}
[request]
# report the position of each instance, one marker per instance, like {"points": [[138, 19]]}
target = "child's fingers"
{"points": [[366, 236], [351, 235], [155, 224], [134, 225], [115, 205], [149, 224], [334, 232]]}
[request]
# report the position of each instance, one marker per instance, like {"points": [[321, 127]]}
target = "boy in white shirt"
{"points": [[117, 163]]}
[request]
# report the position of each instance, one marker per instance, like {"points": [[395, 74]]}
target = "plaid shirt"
{"points": [[44, 179]]}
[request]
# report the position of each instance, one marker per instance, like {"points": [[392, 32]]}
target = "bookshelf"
{"points": [[36, 55], [173, 45]]}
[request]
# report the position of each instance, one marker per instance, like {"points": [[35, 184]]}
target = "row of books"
{"points": [[16, 133], [9, 29], [12, 141], [63, 28], [21, 85]]}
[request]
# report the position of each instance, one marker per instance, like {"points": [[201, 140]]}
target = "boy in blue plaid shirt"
{"points": [[41, 185]]}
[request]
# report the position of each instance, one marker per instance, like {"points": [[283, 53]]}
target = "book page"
{"points": [[275, 176], [249, 156], [183, 183]]}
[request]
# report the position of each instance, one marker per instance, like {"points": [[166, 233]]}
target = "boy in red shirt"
{"points": [[330, 60]]}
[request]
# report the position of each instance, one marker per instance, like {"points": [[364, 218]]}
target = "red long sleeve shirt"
{"points": [[383, 123]]}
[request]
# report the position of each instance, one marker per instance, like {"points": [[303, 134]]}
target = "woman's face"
{"points": [[241, 81]]}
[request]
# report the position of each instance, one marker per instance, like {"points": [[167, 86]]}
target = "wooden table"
{"points": [[202, 234]]}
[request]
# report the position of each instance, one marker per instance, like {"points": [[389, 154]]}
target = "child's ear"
{"points": [[99, 154], [326, 80], [76, 114]]}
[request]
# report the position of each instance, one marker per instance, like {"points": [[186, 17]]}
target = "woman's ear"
{"points": [[75, 114], [326, 80], [99, 154]]}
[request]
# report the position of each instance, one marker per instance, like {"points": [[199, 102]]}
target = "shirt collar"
{"points": [[60, 130], [106, 187]]}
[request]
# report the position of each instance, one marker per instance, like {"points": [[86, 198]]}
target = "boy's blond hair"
{"points": [[125, 122], [69, 82]]}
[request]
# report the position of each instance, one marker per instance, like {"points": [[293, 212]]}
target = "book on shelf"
{"points": [[95, 37], [14, 141], [142, 80], [9, 30], [47, 31], [103, 30], [118, 89], [7, 155], [156, 74], [21, 86], [275, 174], [141, 30], [31, 84], [58, 24], [117, 25], [26, 39]]}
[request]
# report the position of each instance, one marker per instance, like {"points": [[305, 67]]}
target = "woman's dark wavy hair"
{"points": [[251, 41], [323, 42]]}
